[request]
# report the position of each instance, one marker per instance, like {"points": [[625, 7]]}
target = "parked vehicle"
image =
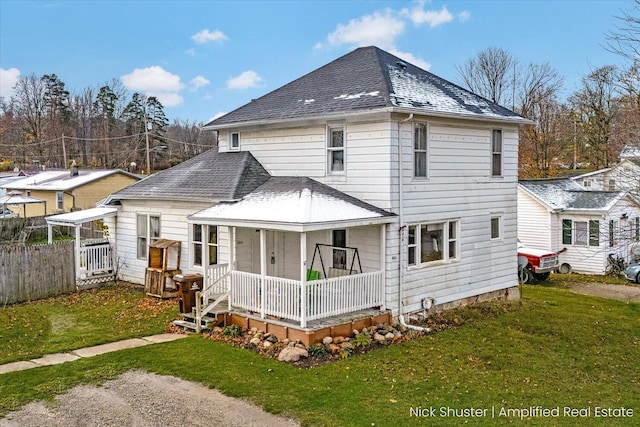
{"points": [[632, 273], [535, 264], [7, 213]]}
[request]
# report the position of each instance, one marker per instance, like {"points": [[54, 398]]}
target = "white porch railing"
{"points": [[95, 260], [275, 296]]}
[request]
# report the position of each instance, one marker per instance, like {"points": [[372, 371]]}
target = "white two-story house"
{"points": [[367, 184]]}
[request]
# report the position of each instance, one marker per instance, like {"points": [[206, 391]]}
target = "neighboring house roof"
{"points": [[63, 180], [294, 203], [210, 176], [366, 80], [630, 151], [567, 195]]}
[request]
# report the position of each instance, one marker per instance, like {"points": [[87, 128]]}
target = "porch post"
{"points": [[78, 226], [303, 280], [232, 260], [383, 264], [263, 270]]}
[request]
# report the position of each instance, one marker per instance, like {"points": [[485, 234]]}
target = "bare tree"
{"points": [[625, 39], [491, 74], [31, 109]]}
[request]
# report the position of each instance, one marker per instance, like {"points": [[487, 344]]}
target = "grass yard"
{"points": [[557, 350], [81, 319]]}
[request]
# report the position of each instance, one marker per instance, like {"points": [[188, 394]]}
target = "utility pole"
{"points": [[146, 135], [64, 152]]}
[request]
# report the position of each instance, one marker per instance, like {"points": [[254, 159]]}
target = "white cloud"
{"points": [[197, 82], [433, 17], [190, 52], [244, 81], [155, 81], [412, 59], [8, 79], [464, 16], [206, 36], [217, 115], [378, 29]]}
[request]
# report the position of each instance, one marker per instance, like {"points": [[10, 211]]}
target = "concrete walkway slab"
{"points": [[164, 337], [107, 348], [55, 359], [17, 366]]}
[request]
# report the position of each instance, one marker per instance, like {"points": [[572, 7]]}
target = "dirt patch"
{"points": [[618, 292], [142, 399]]}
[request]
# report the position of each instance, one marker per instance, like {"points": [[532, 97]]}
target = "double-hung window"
{"points": [[147, 232], [496, 152], [495, 227], [335, 149], [205, 244], [420, 138], [60, 200], [581, 233], [432, 242]]}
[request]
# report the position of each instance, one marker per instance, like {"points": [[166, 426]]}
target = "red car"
{"points": [[535, 264]]}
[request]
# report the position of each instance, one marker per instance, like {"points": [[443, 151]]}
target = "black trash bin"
{"points": [[187, 286]]}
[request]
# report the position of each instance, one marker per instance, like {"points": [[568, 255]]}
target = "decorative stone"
{"points": [[292, 354], [255, 341], [272, 339], [338, 340], [379, 337], [267, 344], [327, 340], [389, 336], [334, 348]]}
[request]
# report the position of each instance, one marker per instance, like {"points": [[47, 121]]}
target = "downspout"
{"points": [[401, 232]]}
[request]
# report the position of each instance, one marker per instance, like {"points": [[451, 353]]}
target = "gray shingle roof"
{"points": [[367, 78], [210, 176], [566, 194]]}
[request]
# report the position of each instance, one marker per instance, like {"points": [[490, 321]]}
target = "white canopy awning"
{"points": [[80, 217]]}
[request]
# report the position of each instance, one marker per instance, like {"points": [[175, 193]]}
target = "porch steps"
{"points": [[188, 321]]}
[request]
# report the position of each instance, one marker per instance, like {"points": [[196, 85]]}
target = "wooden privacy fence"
{"points": [[35, 272]]}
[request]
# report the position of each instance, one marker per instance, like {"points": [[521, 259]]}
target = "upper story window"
{"points": [[420, 137], [496, 152], [612, 184], [335, 150], [60, 200], [147, 232], [586, 183], [432, 242], [234, 141]]}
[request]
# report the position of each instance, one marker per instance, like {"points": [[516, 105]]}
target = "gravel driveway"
{"points": [[624, 293], [142, 399]]}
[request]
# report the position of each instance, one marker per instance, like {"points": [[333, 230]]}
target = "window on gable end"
{"points": [[420, 138], [335, 150], [496, 152], [234, 141]]}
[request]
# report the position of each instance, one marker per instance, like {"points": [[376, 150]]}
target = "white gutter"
{"points": [[401, 232]]}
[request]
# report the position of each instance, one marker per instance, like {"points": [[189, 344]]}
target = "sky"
{"points": [[202, 59]]}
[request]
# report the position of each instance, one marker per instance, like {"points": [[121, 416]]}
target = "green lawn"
{"points": [[558, 350], [79, 320]]}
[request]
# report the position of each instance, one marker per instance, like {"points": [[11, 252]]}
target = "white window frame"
{"points": [[144, 238], [203, 245], [334, 149], [60, 200], [234, 145], [420, 150], [450, 239], [497, 152], [496, 219]]}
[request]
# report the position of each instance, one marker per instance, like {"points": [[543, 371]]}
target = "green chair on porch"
{"points": [[312, 275]]}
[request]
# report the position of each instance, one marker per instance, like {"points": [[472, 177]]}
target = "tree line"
{"points": [[45, 125], [588, 129]]}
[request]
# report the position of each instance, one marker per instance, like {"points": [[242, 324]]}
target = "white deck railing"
{"points": [[279, 297], [95, 260]]}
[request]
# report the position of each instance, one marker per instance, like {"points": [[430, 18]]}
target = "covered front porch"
{"points": [[292, 258]]}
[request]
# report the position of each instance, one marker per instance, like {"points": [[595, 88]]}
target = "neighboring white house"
{"points": [[367, 183], [624, 175], [583, 226]]}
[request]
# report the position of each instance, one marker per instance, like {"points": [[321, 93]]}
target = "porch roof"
{"points": [[294, 204], [80, 217]]}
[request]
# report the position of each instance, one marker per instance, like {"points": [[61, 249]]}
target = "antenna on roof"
{"points": [[401, 65]]}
